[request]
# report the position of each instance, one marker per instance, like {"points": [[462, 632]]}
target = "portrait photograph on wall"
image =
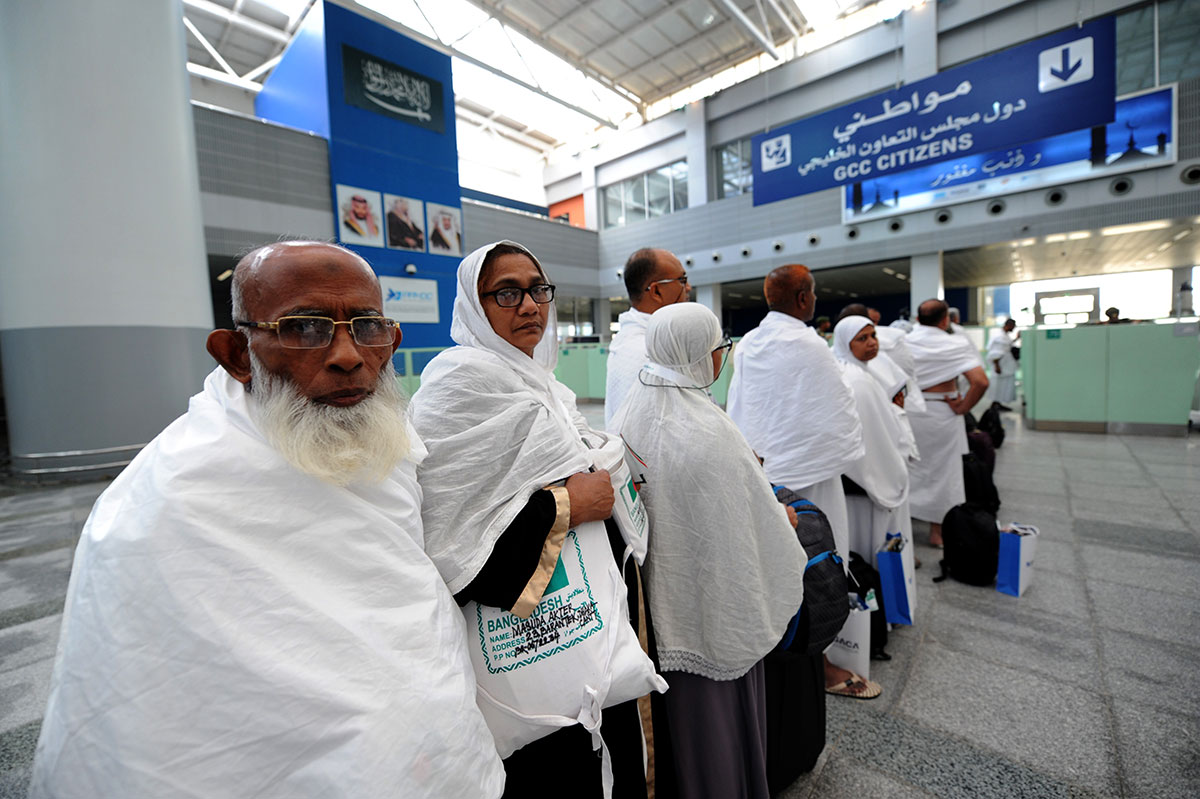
{"points": [[359, 217], [445, 229], [405, 222]]}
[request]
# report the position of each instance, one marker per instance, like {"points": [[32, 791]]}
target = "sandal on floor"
{"points": [[873, 689]]}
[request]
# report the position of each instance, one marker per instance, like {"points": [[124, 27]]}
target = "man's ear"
{"points": [[398, 339], [231, 349]]}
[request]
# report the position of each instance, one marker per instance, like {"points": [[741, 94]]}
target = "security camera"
{"points": [[777, 246], [688, 260], [745, 252], [620, 273], [411, 269]]}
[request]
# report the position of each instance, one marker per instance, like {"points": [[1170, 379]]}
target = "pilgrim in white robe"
{"points": [[626, 354], [936, 480], [236, 627], [1004, 383], [788, 398], [883, 472]]}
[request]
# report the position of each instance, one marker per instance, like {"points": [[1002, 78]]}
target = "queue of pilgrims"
{"points": [[309, 586]]}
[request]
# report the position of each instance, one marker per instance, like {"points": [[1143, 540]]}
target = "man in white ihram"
{"points": [[936, 480], [1000, 356], [251, 611], [788, 398], [653, 278]]}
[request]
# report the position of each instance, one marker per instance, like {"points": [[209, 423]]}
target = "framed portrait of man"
{"points": [[444, 224], [359, 217], [405, 223]]}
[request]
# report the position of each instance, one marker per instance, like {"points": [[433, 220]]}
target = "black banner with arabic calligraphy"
{"points": [[373, 84], [1052, 85]]}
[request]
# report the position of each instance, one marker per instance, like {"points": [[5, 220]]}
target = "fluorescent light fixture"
{"points": [[888, 271], [1028, 242], [1181, 234], [1055, 237], [1118, 230], [1079, 234]]}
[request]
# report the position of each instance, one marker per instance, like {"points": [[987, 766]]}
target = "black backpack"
{"points": [[825, 609], [979, 487], [990, 423], [972, 545]]}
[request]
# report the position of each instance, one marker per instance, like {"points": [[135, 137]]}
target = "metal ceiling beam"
{"points": [[749, 26], [661, 14], [575, 12], [507, 19], [787, 20], [500, 129], [684, 47], [240, 20], [208, 48], [221, 77]]}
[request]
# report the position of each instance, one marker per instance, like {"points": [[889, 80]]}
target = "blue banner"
{"points": [[1059, 83], [1141, 135]]}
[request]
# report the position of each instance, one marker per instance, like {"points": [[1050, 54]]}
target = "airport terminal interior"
{"points": [[1027, 160]]}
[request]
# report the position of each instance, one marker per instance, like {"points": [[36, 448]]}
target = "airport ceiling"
{"points": [[1122, 248], [628, 53]]}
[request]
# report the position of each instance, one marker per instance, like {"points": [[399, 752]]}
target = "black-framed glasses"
{"points": [[315, 332], [683, 281], [513, 296]]}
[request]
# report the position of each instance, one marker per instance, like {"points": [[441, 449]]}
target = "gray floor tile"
{"points": [[1175, 483], [34, 579], [23, 695], [1175, 574], [31, 642], [1137, 537], [1142, 611], [16, 757], [1150, 671], [1117, 511], [1048, 725], [1033, 485], [1135, 478], [846, 777], [1133, 495], [1057, 647], [1054, 557], [1160, 751]]}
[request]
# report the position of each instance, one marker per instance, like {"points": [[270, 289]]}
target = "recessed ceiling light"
{"points": [[1079, 234], [1117, 230], [1181, 234], [888, 271], [1056, 237]]}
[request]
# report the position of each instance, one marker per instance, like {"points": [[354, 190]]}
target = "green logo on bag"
{"points": [[558, 580], [632, 491]]}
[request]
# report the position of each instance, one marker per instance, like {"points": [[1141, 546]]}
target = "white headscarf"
{"points": [[883, 473], [498, 427], [725, 572]]}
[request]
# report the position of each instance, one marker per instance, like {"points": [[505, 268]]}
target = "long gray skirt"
{"points": [[719, 733]]}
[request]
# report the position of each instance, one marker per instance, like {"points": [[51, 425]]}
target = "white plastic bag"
{"points": [[851, 649], [628, 510], [576, 653]]}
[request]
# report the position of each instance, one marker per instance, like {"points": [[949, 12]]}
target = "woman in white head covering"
{"points": [[724, 572], [881, 511], [507, 481]]}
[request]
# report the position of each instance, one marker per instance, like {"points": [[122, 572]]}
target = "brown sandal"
{"points": [[873, 689]]}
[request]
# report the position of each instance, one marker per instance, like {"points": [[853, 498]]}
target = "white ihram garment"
{"points": [[1004, 385], [626, 354], [883, 473], [936, 481], [235, 627], [789, 400]]}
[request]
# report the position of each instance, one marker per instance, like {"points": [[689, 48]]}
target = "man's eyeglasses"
{"points": [[512, 297], [725, 346], [315, 332], [683, 281]]}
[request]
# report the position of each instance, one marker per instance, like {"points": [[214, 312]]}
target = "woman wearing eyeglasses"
{"points": [[725, 571], [513, 510]]}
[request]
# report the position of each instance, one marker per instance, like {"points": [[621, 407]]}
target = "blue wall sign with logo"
{"points": [[1141, 136], [1052, 85], [380, 97]]}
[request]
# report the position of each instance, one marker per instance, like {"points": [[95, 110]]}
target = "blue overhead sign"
{"points": [[1059, 83]]}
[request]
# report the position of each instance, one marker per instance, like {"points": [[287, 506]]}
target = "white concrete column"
{"points": [[602, 318], [920, 43], [591, 195], [698, 159], [104, 296], [925, 279], [710, 297]]}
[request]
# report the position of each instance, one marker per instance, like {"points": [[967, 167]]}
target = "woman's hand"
{"points": [[793, 519], [591, 497]]}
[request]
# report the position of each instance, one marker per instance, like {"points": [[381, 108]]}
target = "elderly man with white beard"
{"points": [[251, 611]]}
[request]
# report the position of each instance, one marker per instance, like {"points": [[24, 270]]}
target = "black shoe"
{"points": [[880, 655]]}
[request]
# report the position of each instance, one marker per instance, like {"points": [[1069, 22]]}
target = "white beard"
{"points": [[338, 445]]}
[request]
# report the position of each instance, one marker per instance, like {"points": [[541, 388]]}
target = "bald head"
{"points": [[853, 309], [791, 289], [256, 273], [934, 313]]}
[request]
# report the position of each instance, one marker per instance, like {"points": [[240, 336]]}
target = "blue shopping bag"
{"points": [[899, 584], [1015, 570]]}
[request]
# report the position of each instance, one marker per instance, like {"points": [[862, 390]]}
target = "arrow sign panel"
{"points": [[1065, 65]]}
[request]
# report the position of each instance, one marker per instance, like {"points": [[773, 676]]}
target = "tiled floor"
{"points": [[1080, 688]]}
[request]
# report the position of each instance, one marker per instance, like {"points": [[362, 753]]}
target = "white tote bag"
{"points": [[851, 648], [628, 510], [573, 656]]}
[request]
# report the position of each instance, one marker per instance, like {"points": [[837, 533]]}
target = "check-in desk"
{"points": [[1126, 378]]}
